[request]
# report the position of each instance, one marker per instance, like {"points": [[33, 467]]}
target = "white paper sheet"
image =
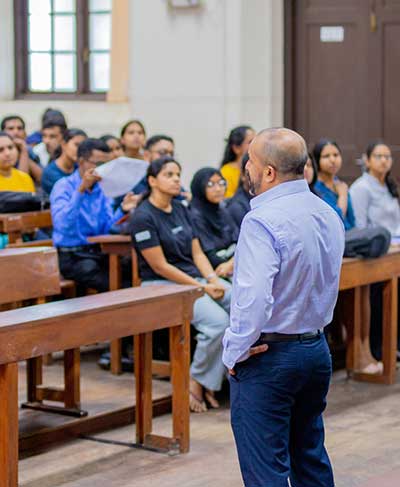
{"points": [[121, 175]]}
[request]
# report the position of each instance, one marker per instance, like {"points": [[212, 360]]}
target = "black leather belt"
{"points": [[283, 337], [78, 248]]}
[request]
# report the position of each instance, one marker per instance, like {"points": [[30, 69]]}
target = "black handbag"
{"points": [[368, 243], [19, 202]]}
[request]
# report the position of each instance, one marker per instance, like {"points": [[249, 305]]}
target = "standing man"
{"points": [[287, 268]]}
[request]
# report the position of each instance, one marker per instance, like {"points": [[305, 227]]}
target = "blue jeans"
{"points": [[277, 400]]}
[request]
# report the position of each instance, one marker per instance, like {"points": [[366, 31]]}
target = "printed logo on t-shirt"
{"points": [[177, 229], [142, 236]]}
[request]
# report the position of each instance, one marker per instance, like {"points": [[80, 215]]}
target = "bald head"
{"points": [[283, 149]]}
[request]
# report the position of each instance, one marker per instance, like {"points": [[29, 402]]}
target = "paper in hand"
{"points": [[121, 175]]}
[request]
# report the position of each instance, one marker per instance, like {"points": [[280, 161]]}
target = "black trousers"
{"points": [[88, 268], [376, 299]]}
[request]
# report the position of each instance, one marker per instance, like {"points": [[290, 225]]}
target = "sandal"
{"points": [[197, 404], [373, 368]]}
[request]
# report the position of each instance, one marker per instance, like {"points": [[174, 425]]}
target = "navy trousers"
{"points": [[277, 400]]}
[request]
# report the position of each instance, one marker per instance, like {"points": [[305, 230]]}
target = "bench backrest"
{"points": [[28, 273]]}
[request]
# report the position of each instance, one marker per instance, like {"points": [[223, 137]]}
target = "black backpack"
{"points": [[19, 202], [368, 243]]}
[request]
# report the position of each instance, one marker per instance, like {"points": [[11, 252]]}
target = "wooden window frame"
{"points": [[82, 52]]}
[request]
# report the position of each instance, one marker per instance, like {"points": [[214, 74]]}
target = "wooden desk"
{"points": [[32, 332], [355, 276], [16, 224], [116, 246]]}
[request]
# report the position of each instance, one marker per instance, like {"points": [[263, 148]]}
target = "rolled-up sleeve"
{"points": [[257, 262]]}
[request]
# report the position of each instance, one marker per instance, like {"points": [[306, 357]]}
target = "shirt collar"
{"points": [[283, 189]]}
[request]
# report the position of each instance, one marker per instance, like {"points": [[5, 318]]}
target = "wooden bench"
{"points": [[32, 274], [356, 276], [31, 332], [16, 224]]}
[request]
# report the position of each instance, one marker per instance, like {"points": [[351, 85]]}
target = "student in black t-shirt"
{"points": [[213, 224], [239, 204], [169, 251]]}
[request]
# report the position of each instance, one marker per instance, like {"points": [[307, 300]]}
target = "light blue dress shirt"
{"points": [[76, 215], [287, 268]]}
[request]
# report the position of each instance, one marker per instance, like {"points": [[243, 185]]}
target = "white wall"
{"points": [[194, 74]]}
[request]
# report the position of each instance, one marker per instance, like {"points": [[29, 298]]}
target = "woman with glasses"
{"points": [[375, 194], [216, 231], [169, 252]]}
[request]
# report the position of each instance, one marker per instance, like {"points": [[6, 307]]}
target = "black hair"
{"points": [[154, 170], [236, 137], [5, 134], [67, 136], [319, 147], [389, 180], [55, 123], [54, 116], [86, 148], [11, 117], [315, 171], [156, 138], [105, 138], [130, 122]]}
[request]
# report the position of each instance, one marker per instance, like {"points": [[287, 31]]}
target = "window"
{"points": [[62, 47]]}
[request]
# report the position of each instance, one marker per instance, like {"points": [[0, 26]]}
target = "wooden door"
{"points": [[342, 68]]}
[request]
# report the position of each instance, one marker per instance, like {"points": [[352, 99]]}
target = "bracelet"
{"points": [[211, 276]]}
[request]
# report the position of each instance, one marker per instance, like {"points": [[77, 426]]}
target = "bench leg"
{"points": [[9, 425], [72, 371], [180, 364], [34, 378], [143, 377], [115, 277], [389, 330]]}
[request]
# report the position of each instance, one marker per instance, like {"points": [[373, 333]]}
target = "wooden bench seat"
{"points": [[29, 333]]}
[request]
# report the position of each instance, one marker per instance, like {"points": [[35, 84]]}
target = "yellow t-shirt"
{"points": [[18, 181], [231, 173]]}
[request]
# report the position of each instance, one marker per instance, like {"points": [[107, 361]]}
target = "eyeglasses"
{"points": [[380, 157], [221, 183], [164, 152]]}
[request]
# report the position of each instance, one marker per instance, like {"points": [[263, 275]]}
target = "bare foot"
{"points": [[197, 404], [210, 398]]}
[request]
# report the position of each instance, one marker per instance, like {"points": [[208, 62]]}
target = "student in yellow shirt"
{"points": [[12, 179], [237, 145]]}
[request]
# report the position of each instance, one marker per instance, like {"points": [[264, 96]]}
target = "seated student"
{"points": [[237, 145], [80, 209], [328, 159], [156, 146], [28, 161], [212, 222], [169, 252], [115, 146], [53, 129], [133, 139], [12, 179], [65, 157], [239, 205], [311, 172], [375, 195]]}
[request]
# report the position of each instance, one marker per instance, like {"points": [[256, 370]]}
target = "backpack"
{"points": [[19, 202], [368, 243]]}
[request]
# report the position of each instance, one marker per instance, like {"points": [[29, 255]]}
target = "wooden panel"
{"points": [[39, 268], [90, 319], [359, 272]]}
